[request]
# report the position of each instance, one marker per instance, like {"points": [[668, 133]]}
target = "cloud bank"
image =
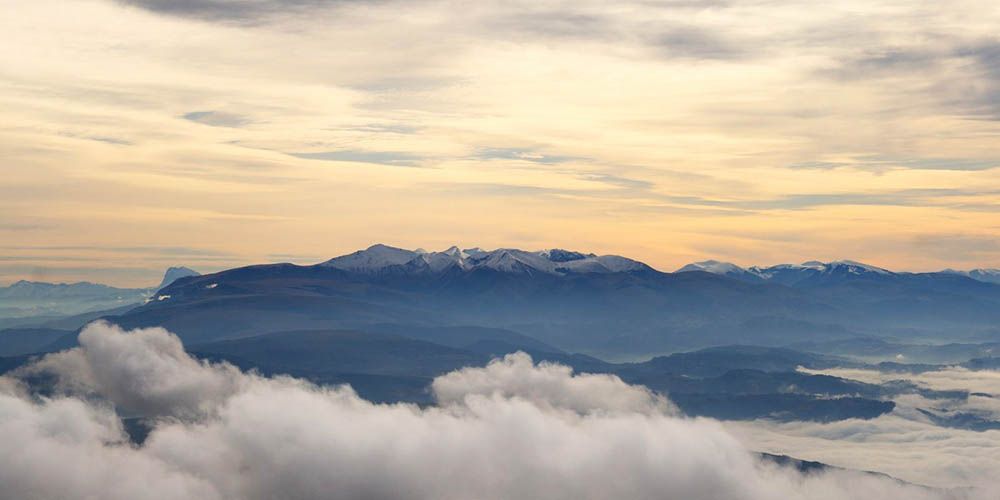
{"points": [[510, 430], [914, 442]]}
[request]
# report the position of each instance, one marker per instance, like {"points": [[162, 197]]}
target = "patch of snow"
{"points": [[554, 261], [856, 267], [713, 266], [372, 259]]}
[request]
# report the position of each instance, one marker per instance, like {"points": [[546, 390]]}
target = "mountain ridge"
{"points": [[791, 273], [576, 301]]}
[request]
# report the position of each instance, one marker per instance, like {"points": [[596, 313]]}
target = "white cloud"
{"points": [[547, 385], [145, 372], [903, 447], [244, 436], [904, 443], [953, 378]]}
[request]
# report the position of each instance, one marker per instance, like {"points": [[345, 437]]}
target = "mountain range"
{"points": [[609, 306], [813, 272], [387, 320], [382, 259], [24, 299]]}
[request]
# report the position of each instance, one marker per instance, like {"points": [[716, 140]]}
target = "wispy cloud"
{"points": [[252, 11], [681, 120], [878, 163], [390, 158], [520, 154], [217, 118]]}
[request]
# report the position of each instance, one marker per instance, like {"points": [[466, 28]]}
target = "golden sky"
{"points": [[213, 133]]}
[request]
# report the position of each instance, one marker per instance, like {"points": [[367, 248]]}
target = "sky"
{"points": [[139, 134]]}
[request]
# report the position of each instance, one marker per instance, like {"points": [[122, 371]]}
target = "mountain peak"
{"points": [[788, 274], [378, 258], [855, 267], [983, 274], [175, 273], [712, 266]]}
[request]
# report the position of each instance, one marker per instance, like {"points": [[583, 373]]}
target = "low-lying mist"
{"points": [[512, 429]]}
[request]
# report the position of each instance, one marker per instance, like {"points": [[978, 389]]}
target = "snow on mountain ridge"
{"points": [[785, 272], [378, 258], [856, 267], [712, 266], [982, 274]]}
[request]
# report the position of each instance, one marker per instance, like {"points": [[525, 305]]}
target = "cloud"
{"points": [[983, 99], [887, 62], [528, 155], [548, 385], [553, 23], [897, 444], [902, 198], [946, 379], [389, 158], [880, 163], [957, 247], [235, 11], [962, 72], [694, 42], [220, 433], [217, 118], [19, 226], [620, 182], [145, 372], [908, 443]]}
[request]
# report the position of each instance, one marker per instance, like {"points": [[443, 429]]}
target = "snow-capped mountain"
{"points": [[574, 300], [813, 272], [809, 272], [379, 259], [721, 268], [791, 274], [985, 275]]}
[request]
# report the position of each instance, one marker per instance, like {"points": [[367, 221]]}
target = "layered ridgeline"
{"points": [[579, 302], [387, 320], [25, 299], [823, 273]]}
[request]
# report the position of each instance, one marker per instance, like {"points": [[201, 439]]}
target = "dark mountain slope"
{"points": [[603, 305]]}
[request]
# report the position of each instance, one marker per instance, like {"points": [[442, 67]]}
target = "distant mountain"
{"points": [[33, 298], [815, 273], [809, 272], [987, 275], [574, 301], [715, 361], [872, 349], [175, 273], [805, 274], [382, 259], [721, 268], [328, 352], [49, 302], [734, 382]]}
